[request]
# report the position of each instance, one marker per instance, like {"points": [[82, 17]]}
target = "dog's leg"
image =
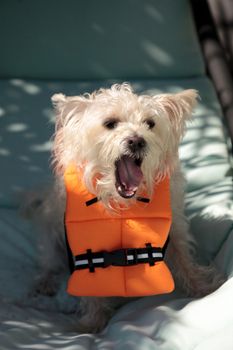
{"points": [[95, 312], [46, 210], [194, 279], [53, 264]]}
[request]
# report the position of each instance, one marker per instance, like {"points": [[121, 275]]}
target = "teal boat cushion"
{"points": [[158, 322], [73, 39]]}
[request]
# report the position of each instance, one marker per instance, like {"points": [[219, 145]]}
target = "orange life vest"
{"points": [[131, 243]]}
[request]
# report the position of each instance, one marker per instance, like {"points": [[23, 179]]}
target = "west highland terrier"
{"points": [[123, 144]]}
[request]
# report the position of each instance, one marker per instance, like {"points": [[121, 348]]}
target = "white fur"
{"points": [[82, 139]]}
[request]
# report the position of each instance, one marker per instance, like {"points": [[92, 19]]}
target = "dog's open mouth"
{"points": [[128, 176]]}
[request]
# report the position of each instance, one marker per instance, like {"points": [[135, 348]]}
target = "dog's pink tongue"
{"points": [[130, 174]]}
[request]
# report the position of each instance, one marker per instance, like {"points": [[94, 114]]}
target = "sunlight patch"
{"points": [[17, 127], [4, 152], [43, 147], [2, 112], [156, 53], [30, 88]]}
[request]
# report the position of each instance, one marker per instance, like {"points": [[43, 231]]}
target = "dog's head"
{"points": [[123, 141]]}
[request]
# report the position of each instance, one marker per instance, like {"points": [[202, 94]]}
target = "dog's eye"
{"points": [[110, 123], [150, 123]]}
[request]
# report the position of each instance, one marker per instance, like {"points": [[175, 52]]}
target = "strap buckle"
{"points": [[115, 258]]}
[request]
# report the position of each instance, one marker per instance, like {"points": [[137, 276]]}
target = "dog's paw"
{"points": [[93, 314], [204, 280], [88, 324]]}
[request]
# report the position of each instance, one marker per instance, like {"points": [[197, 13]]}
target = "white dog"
{"points": [[132, 141]]}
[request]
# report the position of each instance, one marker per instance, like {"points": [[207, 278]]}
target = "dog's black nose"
{"points": [[136, 143]]}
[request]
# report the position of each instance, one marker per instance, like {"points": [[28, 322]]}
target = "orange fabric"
{"points": [[93, 227]]}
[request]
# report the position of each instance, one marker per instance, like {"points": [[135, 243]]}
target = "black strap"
{"points": [[143, 199], [69, 252], [119, 257], [166, 244], [150, 254], [92, 201], [90, 261]]}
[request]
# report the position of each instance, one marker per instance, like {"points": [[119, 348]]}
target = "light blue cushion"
{"points": [[90, 39], [167, 322]]}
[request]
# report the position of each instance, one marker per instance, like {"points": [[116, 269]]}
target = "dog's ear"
{"points": [[58, 101], [178, 107], [69, 112], [184, 103], [69, 108]]}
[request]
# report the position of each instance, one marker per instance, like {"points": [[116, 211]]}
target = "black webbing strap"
{"points": [[120, 257], [69, 252], [150, 254], [143, 199], [165, 245], [92, 201], [90, 263]]}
